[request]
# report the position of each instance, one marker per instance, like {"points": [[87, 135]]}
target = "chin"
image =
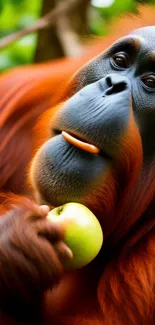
{"points": [[61, 173]]}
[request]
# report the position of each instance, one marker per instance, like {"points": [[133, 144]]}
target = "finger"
{"points": [[42, 254], [63, 251], [45, 209], [51, 231]]}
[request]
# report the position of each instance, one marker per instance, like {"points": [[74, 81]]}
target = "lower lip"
{"points": [[80, 144]]}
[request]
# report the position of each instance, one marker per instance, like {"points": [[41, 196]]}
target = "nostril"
{"points": [[116, 88]]}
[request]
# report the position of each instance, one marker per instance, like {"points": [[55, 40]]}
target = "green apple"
{"points": [[83, 233]]}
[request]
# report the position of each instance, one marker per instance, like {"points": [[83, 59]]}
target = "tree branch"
{"points": [[69, 38], [62, 8]]}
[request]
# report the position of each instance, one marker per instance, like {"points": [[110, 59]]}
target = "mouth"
{"points": [[78, 141], [81, 143]]}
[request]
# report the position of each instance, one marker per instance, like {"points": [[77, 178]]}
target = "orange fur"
{"points": [[125, 292]]}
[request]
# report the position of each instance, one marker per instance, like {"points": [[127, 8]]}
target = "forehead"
{"points": [[146, 37]]}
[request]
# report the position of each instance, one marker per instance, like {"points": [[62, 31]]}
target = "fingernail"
{"points": [[45, 208], [68, 254]]}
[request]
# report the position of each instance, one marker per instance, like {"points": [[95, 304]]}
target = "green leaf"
{"points": [[1, 5], [6, 61], [23, 49], [16, 2]]}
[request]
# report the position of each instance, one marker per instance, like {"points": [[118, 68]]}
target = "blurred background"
{"points": [[65, 37]]}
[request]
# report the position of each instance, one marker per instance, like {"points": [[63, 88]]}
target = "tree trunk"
{"points": [[79, 19], [48, 46], [58, 41]]}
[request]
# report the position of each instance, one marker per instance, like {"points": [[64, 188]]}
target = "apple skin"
{"points": [[83, 233]]}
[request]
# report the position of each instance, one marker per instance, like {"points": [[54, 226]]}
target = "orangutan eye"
{"points": [[121, 60], [149, 81]]}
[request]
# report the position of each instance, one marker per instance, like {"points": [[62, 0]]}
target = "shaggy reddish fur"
{"points": [[123, 292]]}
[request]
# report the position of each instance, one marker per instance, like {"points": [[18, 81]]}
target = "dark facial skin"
{"points": [[117, 81]]}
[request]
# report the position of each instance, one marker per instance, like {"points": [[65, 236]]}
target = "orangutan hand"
{"points": [[32, 252]]}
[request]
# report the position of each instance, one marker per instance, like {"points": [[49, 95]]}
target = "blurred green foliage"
{"points": [[105, 14], [99, 25], [17, 14]]}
